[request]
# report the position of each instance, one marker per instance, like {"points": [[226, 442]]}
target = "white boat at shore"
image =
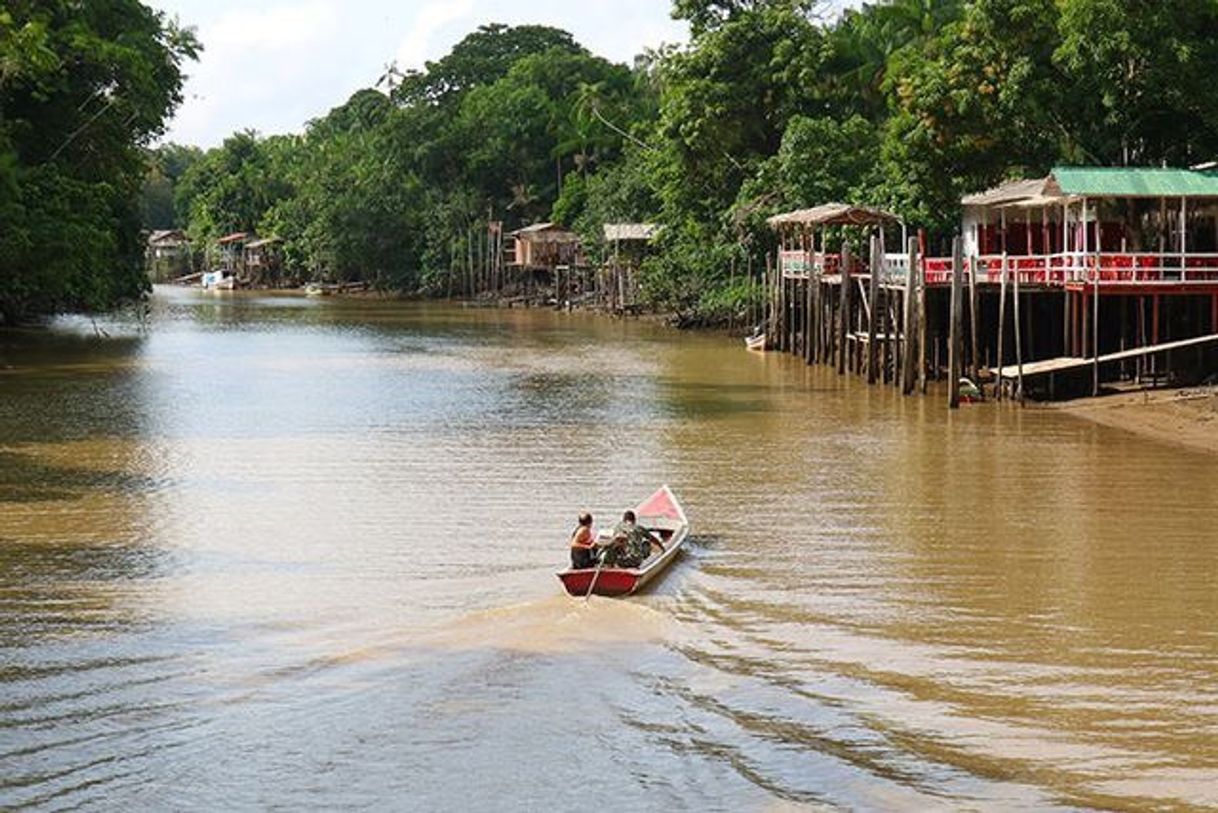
{"points": [[216, 281]]}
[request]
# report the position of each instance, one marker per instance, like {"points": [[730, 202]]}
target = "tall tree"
{"points": [[84, 88]]}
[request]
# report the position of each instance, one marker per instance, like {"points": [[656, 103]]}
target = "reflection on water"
{"points": [[274, 551]]}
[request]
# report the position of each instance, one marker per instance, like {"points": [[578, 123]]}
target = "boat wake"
{"points": [[557, 624]]}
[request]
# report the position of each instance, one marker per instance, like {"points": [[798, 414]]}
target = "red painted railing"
{"points": [[1076, 268]]}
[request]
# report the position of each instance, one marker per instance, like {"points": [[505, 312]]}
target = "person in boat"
{"points": [[632, 543], [583, 543]]}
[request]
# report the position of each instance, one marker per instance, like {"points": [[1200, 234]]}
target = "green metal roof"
{"points": [[1133, 182]]}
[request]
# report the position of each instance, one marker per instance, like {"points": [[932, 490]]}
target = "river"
{"points": [[268, 551]]}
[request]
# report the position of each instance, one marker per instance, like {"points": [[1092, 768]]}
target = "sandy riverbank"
{"points": [[1183, 417]]}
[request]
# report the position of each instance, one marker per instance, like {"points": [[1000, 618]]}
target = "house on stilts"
{"points": [[1086, 278]]}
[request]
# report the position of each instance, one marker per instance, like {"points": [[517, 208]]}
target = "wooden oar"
{"points": [[592, 585]]}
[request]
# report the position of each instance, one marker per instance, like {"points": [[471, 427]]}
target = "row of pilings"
{"points": [[878, 318], [865, 320]]}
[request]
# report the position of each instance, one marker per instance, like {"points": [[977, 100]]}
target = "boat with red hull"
{"points": [[660, 514]]}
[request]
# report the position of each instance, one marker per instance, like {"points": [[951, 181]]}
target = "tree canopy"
{"points": [[772, 104], [84, 87]]}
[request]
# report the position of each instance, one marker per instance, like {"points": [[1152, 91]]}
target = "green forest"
{"points": [[771, 105]]}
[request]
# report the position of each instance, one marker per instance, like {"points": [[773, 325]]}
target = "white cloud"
{"points": [[415, 48], [272, 65]]}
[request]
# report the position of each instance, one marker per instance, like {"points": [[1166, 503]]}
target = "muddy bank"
{"points": [[1184, 417]]}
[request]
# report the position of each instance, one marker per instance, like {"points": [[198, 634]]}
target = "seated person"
{"points": [[632, 543], [583, 544]]}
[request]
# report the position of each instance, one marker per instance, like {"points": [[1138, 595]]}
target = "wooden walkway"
{"points": [[1058, 365]]}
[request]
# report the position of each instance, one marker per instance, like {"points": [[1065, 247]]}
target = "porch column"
{"points": [[1183, 237]]}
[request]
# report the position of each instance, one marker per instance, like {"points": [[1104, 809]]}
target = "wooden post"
{"points": [[922, 320], [955, 346], [817, 311], [782, 306], [974, 353], [910, 327], [771, 318], [1018, 342], [843, 322], [1095, 338], [1002, 320], [813, 306], [1065, 322], [873, 303]]}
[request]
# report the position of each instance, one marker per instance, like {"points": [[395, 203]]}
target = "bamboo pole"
{"points": [[955, 346]]}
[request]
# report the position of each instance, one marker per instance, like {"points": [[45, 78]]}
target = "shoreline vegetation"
{"points": [[904, 105]]}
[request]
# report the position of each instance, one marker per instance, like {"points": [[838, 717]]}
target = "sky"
{"points": [[272, 65]]}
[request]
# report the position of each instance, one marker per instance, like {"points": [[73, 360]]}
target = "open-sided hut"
{"points": [[813, 300], [801, 253], [262, 260], [231, 252], [627, 243]]}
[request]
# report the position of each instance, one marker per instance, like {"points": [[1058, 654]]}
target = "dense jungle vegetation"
{"points": [[772, 105]]}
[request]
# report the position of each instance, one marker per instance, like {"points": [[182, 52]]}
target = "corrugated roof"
{"points": [[235, 237], [1008, 192], [1132, 182], [167, 235], [545, 233], [630, 231], [263, 242], [834, 214]]}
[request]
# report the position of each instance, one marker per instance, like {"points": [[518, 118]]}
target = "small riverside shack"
{"points": [[231, 253], [168, 255], [617, 286], [542, 253], [816, 311], [263, 261], [1056, 286]]}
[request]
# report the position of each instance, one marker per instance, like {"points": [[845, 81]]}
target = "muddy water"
{"points": [[271, 551]]}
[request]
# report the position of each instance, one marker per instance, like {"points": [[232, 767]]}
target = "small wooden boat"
{"points": [[757, 343], [315, 289], [970, 393], [660, 514]]}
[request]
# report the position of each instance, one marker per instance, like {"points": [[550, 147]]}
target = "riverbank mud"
{"points": [[1185, 417]]}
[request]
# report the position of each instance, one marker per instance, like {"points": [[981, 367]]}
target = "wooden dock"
{"points": [[1065, 363]]}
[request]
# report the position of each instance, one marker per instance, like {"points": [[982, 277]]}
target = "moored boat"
{"points": [[662, 516], [757, 343]]}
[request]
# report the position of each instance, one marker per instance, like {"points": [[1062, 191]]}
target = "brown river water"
{"points": [[272, 552]]}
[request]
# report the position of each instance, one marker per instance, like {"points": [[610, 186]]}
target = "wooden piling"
{"points": [[1018, 343], [1002, 318], [1095, 338], [843, 306], [873, 304], [910, 328], [955, 345], [974, 321]]}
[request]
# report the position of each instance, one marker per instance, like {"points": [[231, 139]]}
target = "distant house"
{"points": [[168, 254], [231, 257], [627, 243], [263, 261], [544, 247]]}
